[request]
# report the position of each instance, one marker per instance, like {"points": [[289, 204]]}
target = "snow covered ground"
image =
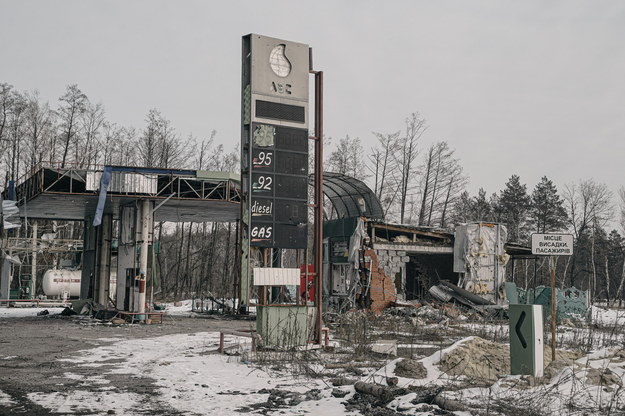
{"points": [[192, 379], [24, 312], [607, 317]]}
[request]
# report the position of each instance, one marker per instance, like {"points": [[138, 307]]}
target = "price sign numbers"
{"points": [[262, 184], [263, 160]]}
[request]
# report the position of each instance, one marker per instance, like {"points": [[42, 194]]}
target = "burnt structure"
{"points": [[373, 264], [122, 203]]}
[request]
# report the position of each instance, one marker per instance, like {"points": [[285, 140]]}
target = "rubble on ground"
{"points": [[410, 369]]}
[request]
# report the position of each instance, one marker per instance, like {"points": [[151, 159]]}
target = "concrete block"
{"points": [[385, 346]]}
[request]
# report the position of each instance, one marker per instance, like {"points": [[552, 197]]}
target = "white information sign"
{"points": [[552, 244]]}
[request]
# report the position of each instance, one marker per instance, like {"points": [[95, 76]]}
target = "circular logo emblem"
{"points": [[280, 65]]}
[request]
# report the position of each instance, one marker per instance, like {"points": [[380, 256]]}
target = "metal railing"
{"points": [[70, 180]]}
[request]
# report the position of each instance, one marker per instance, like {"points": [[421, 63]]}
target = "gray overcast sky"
{"points": [[516, 87]]}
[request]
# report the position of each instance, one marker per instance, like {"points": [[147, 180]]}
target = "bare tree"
{"points": [[384, 168], [589, 206], [111, 144], [442, 182], [406, 158], [347, 158], [7, 99], [73, 105], [160, 146], [129, 143], [621, 205], [39, 131], [89, 148], [12, 114], [202, 159], [454, 185], [587, 203]]}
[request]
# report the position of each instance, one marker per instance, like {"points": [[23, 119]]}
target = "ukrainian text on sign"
{"points": [[552, 244]]}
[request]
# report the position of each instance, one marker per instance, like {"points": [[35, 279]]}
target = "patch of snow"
{"points": [[24, 312], [80, 401], [434, 375], [183, 307], [573, 388], [5, 399], [607, 317]]}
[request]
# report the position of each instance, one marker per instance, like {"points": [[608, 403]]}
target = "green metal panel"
{"points": [[526, 340], [26, 287], [570, 302], [511, 293], [282, 325], [344, 227]]}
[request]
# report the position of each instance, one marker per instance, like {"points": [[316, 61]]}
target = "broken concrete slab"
{"points": [[385, 346]]}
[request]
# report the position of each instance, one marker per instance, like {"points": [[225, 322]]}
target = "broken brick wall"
{"points": [[388, 271]]}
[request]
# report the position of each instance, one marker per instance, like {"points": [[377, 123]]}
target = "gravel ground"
{"points": [[30, 349]]}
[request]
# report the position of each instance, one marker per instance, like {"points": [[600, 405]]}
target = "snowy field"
{"points": [[192, 379]]}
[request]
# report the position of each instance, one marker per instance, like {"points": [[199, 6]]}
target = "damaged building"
{"points": [[373, 264]]}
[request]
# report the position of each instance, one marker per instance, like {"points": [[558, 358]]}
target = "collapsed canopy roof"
{"points": [[350, 197]]}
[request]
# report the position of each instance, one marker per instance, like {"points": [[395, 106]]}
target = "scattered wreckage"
{"points": [[374, 265]]}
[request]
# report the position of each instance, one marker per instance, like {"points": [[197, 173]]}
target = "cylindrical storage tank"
{"points": [[61, 282]]}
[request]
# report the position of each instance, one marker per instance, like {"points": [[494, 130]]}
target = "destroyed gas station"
{"points": [[356, 260], [368, 263], [324, 282]]}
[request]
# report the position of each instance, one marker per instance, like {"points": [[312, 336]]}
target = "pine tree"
{"points": [[615, 265], [513, 207], [481, 209], [547, 212]]}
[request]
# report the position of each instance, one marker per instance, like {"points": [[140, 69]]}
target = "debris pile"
{"points": [[478, 359], [410, 369]]}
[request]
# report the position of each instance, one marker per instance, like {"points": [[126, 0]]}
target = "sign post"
{"points": [[552, 245], [274, 148]]}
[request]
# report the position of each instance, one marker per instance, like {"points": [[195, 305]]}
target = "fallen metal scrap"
{"points": [[447, 291]]}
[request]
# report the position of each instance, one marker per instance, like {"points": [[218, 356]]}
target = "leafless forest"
{"points": [[418, 180]]}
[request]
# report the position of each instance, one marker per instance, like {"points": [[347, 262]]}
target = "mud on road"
{"points": [[32, 350]]}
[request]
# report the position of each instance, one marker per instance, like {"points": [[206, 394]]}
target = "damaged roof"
{"points": [[350, 197]]}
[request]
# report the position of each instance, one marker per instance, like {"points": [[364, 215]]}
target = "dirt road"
{"points": [[31, 347]]}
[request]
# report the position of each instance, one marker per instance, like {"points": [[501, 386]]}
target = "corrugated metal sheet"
{"points": [[125, 182], [264, 276]]}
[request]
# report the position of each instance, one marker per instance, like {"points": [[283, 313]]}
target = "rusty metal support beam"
{"points": [[318, 210]]}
